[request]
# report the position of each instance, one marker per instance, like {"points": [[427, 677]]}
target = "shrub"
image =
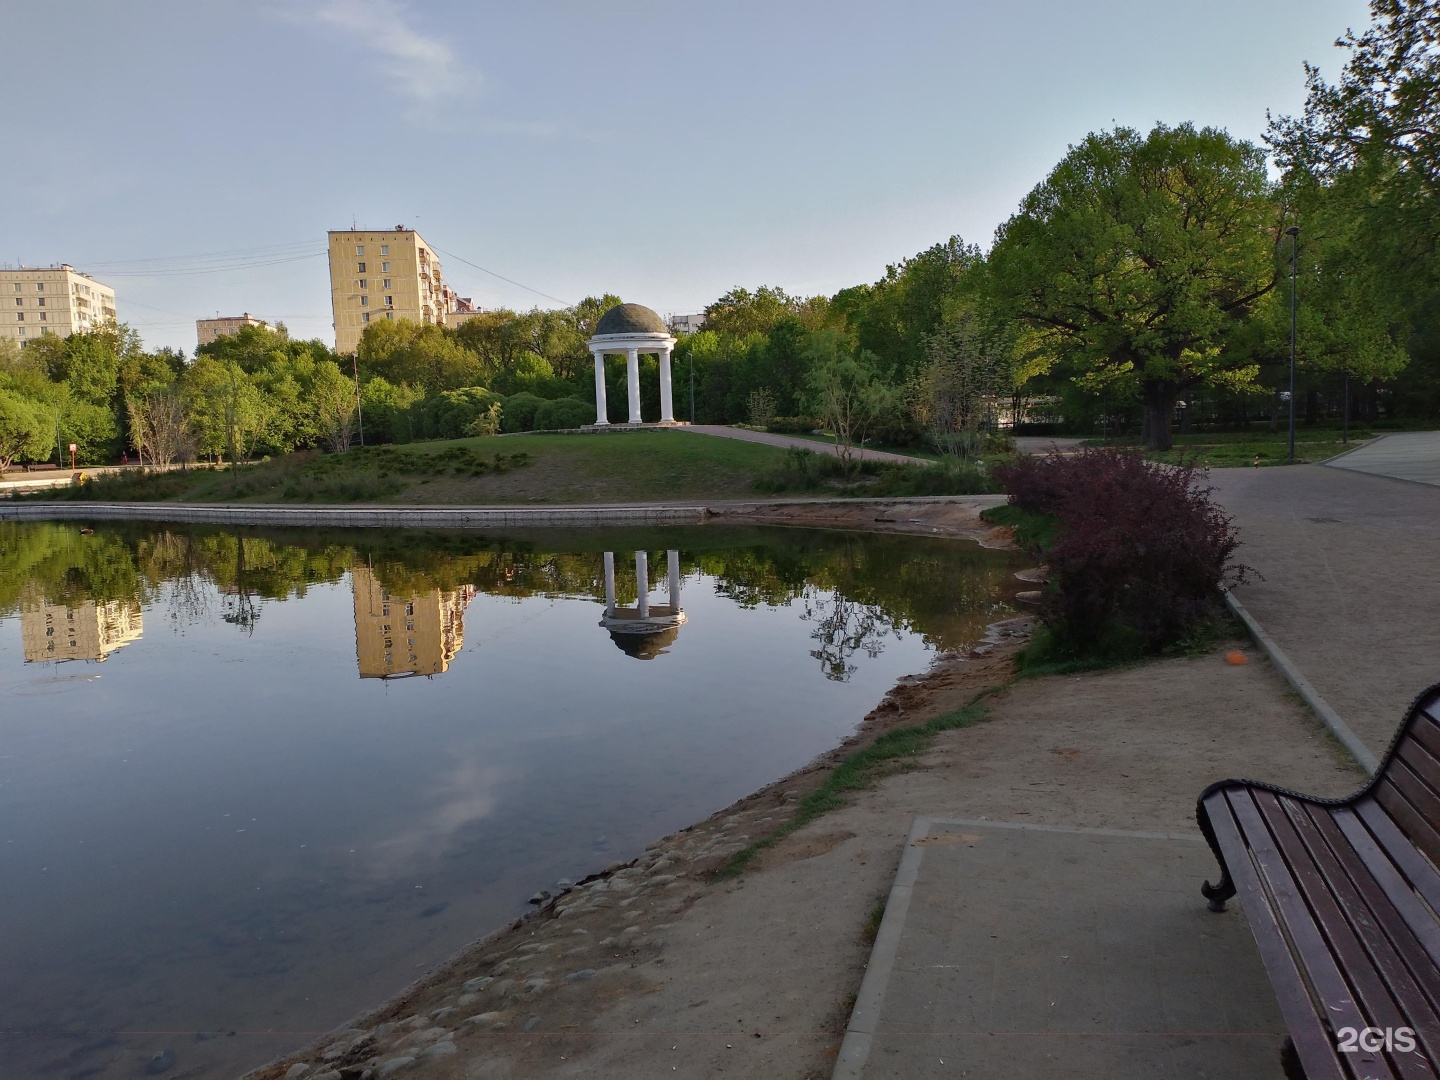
{"points": [[486, 423], [564, 413], [1140, 554], [519, 412]]}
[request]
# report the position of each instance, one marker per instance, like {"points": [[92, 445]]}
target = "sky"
{"points": [[193, 153]]}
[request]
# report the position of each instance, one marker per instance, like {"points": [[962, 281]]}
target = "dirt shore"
{"points": [[662, 967]]}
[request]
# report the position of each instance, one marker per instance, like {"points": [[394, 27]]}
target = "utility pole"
{"points": [[1294, 233]]}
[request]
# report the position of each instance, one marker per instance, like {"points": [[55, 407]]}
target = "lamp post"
{"points": [[1294, 233], [692, 387]]}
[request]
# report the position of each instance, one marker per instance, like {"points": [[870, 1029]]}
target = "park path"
{"points": [[1348, 582], [1414, 455], [1026, 444]]}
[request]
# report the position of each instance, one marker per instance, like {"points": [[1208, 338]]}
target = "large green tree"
{"points": [[1138, 257]]}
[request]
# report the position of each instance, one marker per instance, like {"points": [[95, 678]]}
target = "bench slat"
{"points": [[1377, 970], [1401, 914], [1419, 873], [1426, 732], [1312, 1041], [1415, 831], [1338, 939]]}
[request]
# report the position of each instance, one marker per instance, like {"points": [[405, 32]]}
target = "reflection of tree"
{"points": [[240, 607], [844, 627]]}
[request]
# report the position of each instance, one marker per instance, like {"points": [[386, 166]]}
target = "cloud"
{"points": [[464, 795], [423, 68]]}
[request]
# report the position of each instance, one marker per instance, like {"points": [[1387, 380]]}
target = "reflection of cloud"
{"points": [[464, 795], [423, 68]]}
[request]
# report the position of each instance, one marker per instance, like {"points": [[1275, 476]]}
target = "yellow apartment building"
{"points": [[399, 636], [89, 632], [383, 275], [207, 330], [57, 299]]}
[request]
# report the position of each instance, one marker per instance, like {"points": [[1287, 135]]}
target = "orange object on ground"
{"points": [[1236, 658]]}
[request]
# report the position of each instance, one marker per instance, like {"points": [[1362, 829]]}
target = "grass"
{"points": [[1236, 449], [896, 749], [645, 466], [1031, 530], [815, 473]]}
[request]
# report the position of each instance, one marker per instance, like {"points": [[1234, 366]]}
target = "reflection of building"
{"points": [[89, 632], [406, 635], [645, 630]]}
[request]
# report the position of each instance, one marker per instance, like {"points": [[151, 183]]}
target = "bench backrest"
{"points": [[1407, 784]]}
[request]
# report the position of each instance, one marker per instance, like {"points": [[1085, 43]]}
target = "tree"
{"points": [[740, 312], [332, 395], [226, 406], [1137, 259], [23, 431], [160, 427], [845, 392], [952, 394]]}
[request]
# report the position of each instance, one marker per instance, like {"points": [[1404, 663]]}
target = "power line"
{"points": [[191, 271], [502, 277], [236, 253]]}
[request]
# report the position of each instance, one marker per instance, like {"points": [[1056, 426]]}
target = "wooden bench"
{"points": [[1342, 896]]}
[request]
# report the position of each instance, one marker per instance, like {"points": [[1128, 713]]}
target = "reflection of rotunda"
{"points": [[632, 329], [645, 630]]}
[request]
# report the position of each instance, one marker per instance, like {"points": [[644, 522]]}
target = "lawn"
{"points": [[1232, 449], [648, 466]]}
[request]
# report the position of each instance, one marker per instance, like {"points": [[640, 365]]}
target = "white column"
{"points": [[667, 407], [609, 584], [632, 379], [673, 558], [642, 582], [600, 417]]}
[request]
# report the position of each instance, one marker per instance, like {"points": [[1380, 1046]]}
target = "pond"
{"points": [[254, 782]]}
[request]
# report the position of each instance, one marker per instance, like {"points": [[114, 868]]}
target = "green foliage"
{"points": [[519, 412], [846, 391], [805, 470], [23, 431], [1033, 531], [564, 413], [1137, 260]]}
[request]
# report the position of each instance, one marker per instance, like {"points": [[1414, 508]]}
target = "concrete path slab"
{"points": [[1014, 951], [1348, 582], [1414, 455]]}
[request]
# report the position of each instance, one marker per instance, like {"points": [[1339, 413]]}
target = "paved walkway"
{"points": [[769, 439], [1013, 950], [1415, 455], [1348, 582]]}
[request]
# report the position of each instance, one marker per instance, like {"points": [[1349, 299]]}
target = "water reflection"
{"points": [[646, 630], [89, 631], [404, 636], [233, 832]]}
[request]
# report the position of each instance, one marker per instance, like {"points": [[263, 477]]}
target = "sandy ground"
{"points": [[660, 968], [955, 517]]}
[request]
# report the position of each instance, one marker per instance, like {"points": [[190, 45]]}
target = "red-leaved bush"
{"points": [[1141, 552]]}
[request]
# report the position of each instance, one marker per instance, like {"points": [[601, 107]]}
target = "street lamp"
{"points": [[1294, 233]]}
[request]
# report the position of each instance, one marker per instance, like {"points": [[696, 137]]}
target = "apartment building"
{"points": [[57, 299], [382, 275], [207, 330], [686, 324]]}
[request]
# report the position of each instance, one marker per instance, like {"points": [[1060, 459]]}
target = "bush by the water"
{"points": [[1139, 555], [518, 412], [564, 413]]}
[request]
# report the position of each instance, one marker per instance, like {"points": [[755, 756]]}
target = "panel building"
{"points": [[399, 636], [382, 275], [207, 330], [58, 300], [89, 632]]}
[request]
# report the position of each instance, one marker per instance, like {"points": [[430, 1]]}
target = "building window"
{"points": [[387, 283], [39, 286], [362, 284], [384, 268], [359, 249], [20, 315], [384, 249], [361, 268], [41, 301], [389, 301], [389, 314], [42, 316], [364, 301], [19, 301], [22, 331], [18, 286], [365, 316]]}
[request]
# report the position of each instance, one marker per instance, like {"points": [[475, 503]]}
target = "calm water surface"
{"points": [[253, 783]]}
